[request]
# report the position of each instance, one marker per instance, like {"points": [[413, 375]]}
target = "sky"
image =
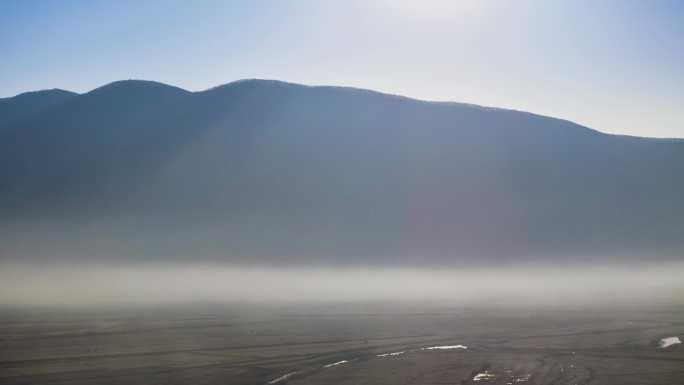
{"points": [[613, 65]]}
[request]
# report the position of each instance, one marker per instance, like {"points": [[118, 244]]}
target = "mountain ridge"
{"points": [[266, 81], [260, 170], [32, 102]]}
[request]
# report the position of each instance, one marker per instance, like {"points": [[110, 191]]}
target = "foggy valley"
{"points": [[289, 234], [358, 192]]}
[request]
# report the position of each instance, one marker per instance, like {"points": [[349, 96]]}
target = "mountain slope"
{"points": [[264, 171], [30, 103]]}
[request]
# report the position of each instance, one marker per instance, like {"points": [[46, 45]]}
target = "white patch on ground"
{"points": [[390, 354], [484, 376], [669, 341], [445, 347], [524, 378], [336, 363], [282, 378]]}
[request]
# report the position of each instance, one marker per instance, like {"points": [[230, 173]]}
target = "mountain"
{"points": [[30, 103], [260, 171]]}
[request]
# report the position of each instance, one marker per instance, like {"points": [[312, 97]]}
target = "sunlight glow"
{"points": [[435, 8]]}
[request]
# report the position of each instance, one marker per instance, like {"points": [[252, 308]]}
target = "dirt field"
{"points": [[341, 344]]}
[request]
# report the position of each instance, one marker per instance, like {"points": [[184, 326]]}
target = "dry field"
{"points": [[341, 344]]}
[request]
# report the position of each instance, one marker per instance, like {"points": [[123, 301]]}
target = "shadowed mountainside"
{"points": [[30, 103], [260, 171]]}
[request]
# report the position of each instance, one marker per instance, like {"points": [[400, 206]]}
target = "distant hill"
{"points": [[260, 171], [30, 103]]}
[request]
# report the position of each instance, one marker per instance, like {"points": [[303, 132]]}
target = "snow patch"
{"points": [[484, 376], [445, 347], [336, 363], [669, 341], [282, 378]]}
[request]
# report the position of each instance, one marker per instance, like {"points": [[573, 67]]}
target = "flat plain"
{"points": [[343, 343]]}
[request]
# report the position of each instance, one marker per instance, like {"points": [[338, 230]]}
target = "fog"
{"points": [[92, 284]]}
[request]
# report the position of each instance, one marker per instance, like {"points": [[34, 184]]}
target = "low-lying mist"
{"points": [[108, 284]]}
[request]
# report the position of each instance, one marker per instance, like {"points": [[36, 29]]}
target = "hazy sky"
{"points": [[616, 66]]}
